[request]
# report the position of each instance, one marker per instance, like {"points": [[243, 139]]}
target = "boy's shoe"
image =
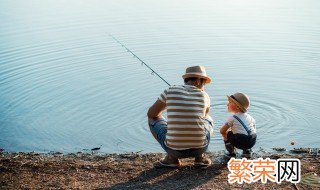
{"points": [[202, 161], [229, 147], [168, 162], [230, 150], [227, 154], [246, 153]]}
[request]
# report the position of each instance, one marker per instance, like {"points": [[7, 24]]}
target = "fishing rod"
{"points": [[142, 62]]}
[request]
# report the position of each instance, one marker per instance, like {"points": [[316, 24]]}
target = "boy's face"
{"points": [[232, 107]]}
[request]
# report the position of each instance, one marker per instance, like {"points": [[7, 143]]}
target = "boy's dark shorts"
{"points": [[241, 141]]}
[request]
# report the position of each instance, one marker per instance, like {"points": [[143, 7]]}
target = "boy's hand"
{"points": [[223, 131]]}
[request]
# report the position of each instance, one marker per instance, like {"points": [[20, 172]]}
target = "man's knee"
{"points": [[150, 123], [158, 128]]}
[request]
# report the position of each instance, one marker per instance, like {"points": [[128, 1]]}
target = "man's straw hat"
{"points": [[241, 100], [197, 71]]}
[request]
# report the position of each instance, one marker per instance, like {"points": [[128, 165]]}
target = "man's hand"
{"points": [[207, 112], [155, 111]]}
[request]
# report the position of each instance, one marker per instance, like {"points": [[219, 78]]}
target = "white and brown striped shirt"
{"points": [[186, 107]]}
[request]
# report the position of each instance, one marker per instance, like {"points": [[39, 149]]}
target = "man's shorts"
{"points": [[159, 129]]}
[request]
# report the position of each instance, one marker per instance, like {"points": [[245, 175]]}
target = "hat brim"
{"points": [[207, 79], [243, 109]]}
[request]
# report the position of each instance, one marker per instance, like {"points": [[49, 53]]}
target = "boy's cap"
{"points": [[197, 71], [241, 100]]}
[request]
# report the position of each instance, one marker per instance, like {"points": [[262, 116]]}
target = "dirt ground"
{"points": [[130, 171]]}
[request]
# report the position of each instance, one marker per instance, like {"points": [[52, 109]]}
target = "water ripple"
{"points": [[65, 85]]}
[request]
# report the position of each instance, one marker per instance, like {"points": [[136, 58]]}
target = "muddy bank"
{"points": [[129, 171]]}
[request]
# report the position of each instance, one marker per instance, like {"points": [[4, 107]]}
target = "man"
{"points": [[189, 128]]}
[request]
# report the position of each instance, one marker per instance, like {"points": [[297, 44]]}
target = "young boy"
{"points": [[240, 129]]}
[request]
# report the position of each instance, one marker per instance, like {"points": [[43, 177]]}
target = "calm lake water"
{"points": [[65, 85]]}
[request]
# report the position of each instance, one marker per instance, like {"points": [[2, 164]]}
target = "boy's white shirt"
{"points": [[237, 128]]}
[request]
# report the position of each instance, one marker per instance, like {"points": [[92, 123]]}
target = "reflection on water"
{"points": [[65, 85]]}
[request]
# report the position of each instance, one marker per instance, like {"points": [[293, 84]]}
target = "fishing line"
{"points": [[142, 62]]}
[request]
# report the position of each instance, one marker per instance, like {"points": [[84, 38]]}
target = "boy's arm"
{"points": [[223, 130]]}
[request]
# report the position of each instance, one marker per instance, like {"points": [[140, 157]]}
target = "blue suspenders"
{"points": [[244, 126]]}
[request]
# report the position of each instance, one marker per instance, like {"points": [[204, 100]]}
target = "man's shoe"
{"points": [[168, 162], [202, 161], [246, 153]]}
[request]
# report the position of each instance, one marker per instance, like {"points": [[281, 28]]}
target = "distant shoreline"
{"points": [[126, 171]]}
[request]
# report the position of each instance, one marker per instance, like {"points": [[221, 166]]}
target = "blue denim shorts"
{"points": [[159, 129]]}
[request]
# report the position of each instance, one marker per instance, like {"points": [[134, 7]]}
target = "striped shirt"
{"points": [[186, 107]]}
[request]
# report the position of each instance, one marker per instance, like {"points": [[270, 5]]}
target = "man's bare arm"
{"points": [[155, 111], [207, 112]]}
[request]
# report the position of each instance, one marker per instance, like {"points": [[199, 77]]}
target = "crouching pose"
{"points": [[239, 131], [188, 128]]}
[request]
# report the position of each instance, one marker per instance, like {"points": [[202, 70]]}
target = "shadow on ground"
{"points": [[186, 177]]}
